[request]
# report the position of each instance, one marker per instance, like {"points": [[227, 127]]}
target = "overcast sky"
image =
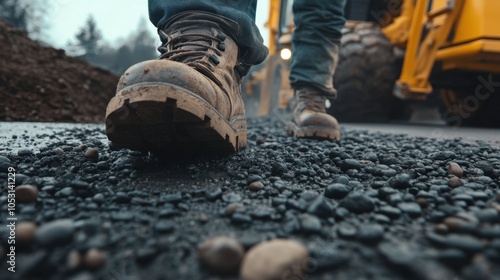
{"points": [[115, 18]]}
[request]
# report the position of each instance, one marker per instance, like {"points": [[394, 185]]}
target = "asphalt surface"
{"points": [[387, 202]]}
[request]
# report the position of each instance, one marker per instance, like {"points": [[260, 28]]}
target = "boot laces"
{"points": [[192, 49], [311, 100]]}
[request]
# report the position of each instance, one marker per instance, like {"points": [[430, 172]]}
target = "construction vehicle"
{"points": [[396, 52]]}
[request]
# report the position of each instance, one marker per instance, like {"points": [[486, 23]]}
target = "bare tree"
{"points": [[28, 15]]}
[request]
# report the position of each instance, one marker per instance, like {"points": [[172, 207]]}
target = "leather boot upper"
{"points": [[200, 55], [310, 109]]}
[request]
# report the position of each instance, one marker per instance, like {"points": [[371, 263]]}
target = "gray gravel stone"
{"points": [[398, 254], [55, 233], [485, 166], [466, 243], [337, 191], [328, 258], [411, 208], [231, 197], [321, 207], [443, 155], [214, 194], [240, 218], [310, 223], [347, 231], [350, 164], [25, 152], [453, 257], [400, 181], [389, 211], [358, 203], [164, 226], [370, 233]]}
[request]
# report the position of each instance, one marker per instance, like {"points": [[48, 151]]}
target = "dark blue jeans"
{"points": [[319, 24], [316, 39]]}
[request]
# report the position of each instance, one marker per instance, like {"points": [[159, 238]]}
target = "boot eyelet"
{"points": [[221, 46], [221, 36], [214, 59], [162, 49]]}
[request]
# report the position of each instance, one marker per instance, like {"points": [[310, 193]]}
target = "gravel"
{"points": [[374, 206], [358, 203], [26, 193], [277, 259], [221, 255]]}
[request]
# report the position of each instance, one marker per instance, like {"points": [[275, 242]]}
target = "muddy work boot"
{"points": [[187, 101], [309, 118]]}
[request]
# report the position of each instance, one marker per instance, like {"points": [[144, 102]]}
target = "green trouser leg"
{"points": [[316, 41]]}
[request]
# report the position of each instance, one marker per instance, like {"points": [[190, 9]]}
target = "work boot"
{"points": [[189, 99], [309, 118]]}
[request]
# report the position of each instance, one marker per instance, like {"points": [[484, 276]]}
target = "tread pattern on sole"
{"points": [[314, 132], [169, 119]]}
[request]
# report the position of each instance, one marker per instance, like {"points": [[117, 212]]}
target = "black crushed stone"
{"points": [[366, 208]]}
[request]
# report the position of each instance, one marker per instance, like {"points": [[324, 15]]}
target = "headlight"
{"points": [[286, 54]]}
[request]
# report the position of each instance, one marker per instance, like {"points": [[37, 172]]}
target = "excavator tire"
{"points": [[365, 77]]}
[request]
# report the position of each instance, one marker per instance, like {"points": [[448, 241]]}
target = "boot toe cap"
{"points": [[309, 118], [163, 71]]}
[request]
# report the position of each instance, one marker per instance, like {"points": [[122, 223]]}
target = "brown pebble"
{"points": [[497, 207], [455, 182], [94, 259], [25, 231], [441, 229], [81, 147], [235, 207], [453, 223], [59, 151], [422, 202], [276, 259], [221, 255], [74, 259], [26, 193], [203, 218], [91, 154], [468, 218], [480, 268], [455, 169], [256, 186]]}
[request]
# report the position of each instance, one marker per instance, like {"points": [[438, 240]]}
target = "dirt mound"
{"points": [[40, 83]]}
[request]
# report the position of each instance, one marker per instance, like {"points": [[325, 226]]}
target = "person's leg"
{"points": [[189, 100], [316, 43], [249, 39]]}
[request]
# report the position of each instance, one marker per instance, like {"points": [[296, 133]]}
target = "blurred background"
{"points": [[111, 34], [54, 54]]}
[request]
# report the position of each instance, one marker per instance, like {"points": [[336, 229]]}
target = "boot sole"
{"points": [[165, 118], [314, 132]]}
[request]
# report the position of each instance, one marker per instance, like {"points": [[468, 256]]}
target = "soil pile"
{"points": [[40, 83]]}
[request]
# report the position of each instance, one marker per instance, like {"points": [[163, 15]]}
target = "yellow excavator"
{"points": [[396, 52]]}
